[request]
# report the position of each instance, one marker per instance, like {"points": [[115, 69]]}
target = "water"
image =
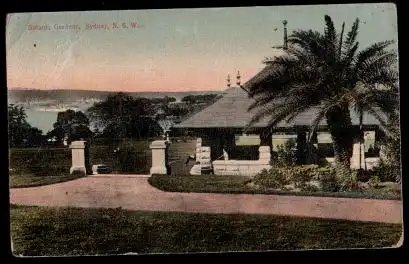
{"points": [[41, 119], [44, 120]]}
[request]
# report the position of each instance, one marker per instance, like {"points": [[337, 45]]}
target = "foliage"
{"points": [[309, 188], [197, 99], [244, 185], [70, 125], [123, 116], [40, 161], [127, 160], [272, 178], [387, 171], [328, 180], [299, 175], [328, 72], [389, 168], [285, 155], [349, 183], [374, 181], [21, 133]]}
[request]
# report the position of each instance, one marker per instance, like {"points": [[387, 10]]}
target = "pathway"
{"points": [[135, 193]]}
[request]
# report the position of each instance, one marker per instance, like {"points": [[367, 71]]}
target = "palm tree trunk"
{"points": [[342, 160], [340, 126]]}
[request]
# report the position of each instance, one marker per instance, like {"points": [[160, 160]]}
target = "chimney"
{"points": [[228, 80], [285, 34], [238, 78]]}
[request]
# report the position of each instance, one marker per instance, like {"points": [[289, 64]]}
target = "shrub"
{"points": [[309, 188], [388, 171], [299, 175], [374, 182], [328, 180], [364, 175], [285, 155], [350, 183], [273, 178]]}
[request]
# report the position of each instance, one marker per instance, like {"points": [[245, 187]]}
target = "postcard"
{"points": [[230, 129]]}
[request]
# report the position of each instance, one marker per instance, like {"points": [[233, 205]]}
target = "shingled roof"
{"points": [[230, 111]]}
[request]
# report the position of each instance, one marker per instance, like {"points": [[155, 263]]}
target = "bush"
{"points": [[328, 180], [128, 160], [350, 183], [299, 175], [364, 175], [309, 188], [387, 171], [285, 155], [272, 178], [374, 182]]}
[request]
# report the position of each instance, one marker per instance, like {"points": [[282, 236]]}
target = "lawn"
{"points": [[30, 180], [39, 231], [240, 184]]}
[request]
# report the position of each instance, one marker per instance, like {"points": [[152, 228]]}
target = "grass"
{"points": [[239, 184], [30, 180], [40, 231]]}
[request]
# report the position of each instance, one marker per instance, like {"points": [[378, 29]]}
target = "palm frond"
{"points": [[311, 41], [330, 36], [383, 123], [340, 43], [351, 36], [371, 51]]}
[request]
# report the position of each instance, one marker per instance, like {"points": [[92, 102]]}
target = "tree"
{"points": [[123, 116], [21, 133], [328, 72], [71, 125]]}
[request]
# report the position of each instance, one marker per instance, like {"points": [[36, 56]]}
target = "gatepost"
{"points": [[79, 152], [160, 157]]}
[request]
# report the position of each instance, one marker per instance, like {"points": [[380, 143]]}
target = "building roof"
{"points": [[230, 111]]}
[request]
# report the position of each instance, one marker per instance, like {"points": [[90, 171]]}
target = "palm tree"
{"points": [[326, 71]]}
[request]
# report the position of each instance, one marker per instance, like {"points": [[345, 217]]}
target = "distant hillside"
{"points": [[26, 95]]}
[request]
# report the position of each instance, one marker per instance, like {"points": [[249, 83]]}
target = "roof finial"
{"points": [[238, 78], [285, 34], [228, 80]]}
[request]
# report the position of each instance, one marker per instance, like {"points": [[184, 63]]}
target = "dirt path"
{"points": [[135, 193]]}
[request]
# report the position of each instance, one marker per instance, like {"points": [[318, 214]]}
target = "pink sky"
{"points": [[172, 50]]}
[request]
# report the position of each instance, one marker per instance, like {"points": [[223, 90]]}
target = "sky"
{"points": [[169, 49]]}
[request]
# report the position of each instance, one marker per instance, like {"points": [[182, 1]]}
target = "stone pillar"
{"points": [[205, 156], [265, 154], [198, 149], [265, 148], [358, 154], [78, 156], [159, 157]]}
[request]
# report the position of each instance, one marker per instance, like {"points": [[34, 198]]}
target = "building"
{"points": [[221, 125]]}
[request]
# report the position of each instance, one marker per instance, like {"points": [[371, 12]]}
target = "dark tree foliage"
{"points": [[21, 133], [70, 125], [123, 116]]}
